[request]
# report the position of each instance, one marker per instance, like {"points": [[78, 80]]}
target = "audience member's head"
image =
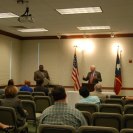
{"points": [[10, 82], [39, 82], [59, 93], [83, 91], [11, 91], [98, 87], [26, 82]]}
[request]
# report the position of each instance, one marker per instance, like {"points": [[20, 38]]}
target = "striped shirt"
{"points": [[62, 114]]}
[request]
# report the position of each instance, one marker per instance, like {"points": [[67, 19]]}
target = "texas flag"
{"points": [[118, 79]]}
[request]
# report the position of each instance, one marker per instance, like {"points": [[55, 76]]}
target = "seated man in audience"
{"points": [[60, 113], [26, 87], [40, 87], [98, 92], [84, 92]]}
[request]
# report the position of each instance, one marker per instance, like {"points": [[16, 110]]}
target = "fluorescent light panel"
{"points": [[8, 15], [79, 10], [94, 28], [33, 30]]}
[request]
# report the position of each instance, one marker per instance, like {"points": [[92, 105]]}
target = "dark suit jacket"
{"points": [[97, 77], [39, 76]]}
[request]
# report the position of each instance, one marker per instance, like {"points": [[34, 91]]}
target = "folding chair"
{"points": [[24, 93], [30, 107], [88, 117], [56, 129], [8, 116], [97, 129], [128, 121], [107, 120], [114, 101], [87, 107], [111, 108], [126, 130], [128, 109], [38, 94]]}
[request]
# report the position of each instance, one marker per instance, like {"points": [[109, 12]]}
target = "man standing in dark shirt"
{"points": [[42, 74]]}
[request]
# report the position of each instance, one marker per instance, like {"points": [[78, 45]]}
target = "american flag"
{"points": [[75, 73], [118, 79]]}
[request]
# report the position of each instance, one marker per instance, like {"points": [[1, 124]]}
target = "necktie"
{"points": [[91, 78]]}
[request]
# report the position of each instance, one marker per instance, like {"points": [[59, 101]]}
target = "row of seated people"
{"points": [[60, 113], [26, 87]]}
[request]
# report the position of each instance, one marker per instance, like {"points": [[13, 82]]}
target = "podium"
{"points": [[89, 86]]}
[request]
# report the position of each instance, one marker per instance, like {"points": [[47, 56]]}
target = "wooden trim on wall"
{"points": [[71, 87], [65, 36], [10, 35]]}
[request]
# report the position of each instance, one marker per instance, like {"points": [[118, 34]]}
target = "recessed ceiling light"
{"points": [[8, 15], [94, 28], [33, 30], [79, 10]]}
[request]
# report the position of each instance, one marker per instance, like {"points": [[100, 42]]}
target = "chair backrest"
{"points": [[8, 116], [127, 102], [38, 94], [97, 129], [88, 117], [126, 130], [87, 107], [114, 101], [111, 108], [128, 121], [128, 109], [42, 102], [25, 97], [30, 107], [116, 96], [24, 93], [107, 120], [56, 129]]}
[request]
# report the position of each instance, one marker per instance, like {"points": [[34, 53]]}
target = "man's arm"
{"points": [[48, 76], [86, 78]]}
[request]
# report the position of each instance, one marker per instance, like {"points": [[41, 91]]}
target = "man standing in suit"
{"points": [[41, 74], [93, 77]]}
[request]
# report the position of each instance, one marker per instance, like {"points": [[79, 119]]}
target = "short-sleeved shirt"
{"points": [[90, 99], [62, 114]]}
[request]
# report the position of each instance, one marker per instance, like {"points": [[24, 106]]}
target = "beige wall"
{"points": [[7, 46], [57, 58]]}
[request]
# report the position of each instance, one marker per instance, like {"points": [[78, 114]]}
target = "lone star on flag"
{"points": [[118, 66]]}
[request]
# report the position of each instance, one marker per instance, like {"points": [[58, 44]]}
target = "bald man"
{"points": [[93, 77]]}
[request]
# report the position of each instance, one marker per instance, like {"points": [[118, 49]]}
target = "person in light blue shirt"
{"points": [[84, 92]]}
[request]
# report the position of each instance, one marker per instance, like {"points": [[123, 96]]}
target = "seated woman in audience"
{"points": [[26, 87], [11, 100], [10, 82], [83, 91], [41, 88]]}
